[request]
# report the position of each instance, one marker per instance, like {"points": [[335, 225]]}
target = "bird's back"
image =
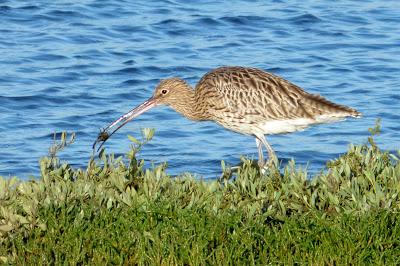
{"points": [[243, 99]]}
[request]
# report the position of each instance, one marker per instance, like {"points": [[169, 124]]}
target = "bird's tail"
{"points": [[321, 106]]}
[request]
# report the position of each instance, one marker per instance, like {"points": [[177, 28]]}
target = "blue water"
{"points": [[77, 67]]}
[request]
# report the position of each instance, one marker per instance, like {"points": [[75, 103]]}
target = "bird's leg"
{"points": [[271, 154], [260, 153]]}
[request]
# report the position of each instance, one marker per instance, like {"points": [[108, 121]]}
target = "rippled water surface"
{"points": [[77, 67]]}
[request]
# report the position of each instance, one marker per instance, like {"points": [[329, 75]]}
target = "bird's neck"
{"points": [[187, 104]]}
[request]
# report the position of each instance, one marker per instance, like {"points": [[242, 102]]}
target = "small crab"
{"points": [[102, 137]]}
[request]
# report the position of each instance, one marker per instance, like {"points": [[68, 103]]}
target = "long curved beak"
{"points": [[104, 135]]}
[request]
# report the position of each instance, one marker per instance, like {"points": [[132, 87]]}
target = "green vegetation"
{"points": [[121, 213]]}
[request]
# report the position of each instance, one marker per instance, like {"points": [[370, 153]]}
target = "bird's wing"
{"points": [[249, 92]]}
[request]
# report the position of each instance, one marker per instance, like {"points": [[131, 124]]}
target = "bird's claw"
{"points": [[272, 162]]}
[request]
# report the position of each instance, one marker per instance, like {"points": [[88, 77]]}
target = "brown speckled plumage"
{"points": [[246, 100], [254, 96]]}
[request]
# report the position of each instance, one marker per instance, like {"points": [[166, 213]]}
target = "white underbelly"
{"points": [[292, 125], [271, 127], [285, 126]]}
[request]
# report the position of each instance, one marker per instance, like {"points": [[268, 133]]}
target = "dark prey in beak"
{"points": [[104, 135]]}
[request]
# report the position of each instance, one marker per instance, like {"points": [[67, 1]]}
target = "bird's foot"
{"points": [[271, 163]]}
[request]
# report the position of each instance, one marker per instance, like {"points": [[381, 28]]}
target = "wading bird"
{"points": [[246, 100]]}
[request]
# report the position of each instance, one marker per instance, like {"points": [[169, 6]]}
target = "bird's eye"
{"points": [[164, 91]]}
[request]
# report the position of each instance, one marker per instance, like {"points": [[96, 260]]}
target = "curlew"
{"points": [[246, 100]]}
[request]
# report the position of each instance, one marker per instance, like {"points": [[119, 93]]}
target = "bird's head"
{"points": [[172, 92]]}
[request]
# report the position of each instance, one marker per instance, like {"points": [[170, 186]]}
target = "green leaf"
{"points": [[148, 133], [134, 140], [6, 227]]}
